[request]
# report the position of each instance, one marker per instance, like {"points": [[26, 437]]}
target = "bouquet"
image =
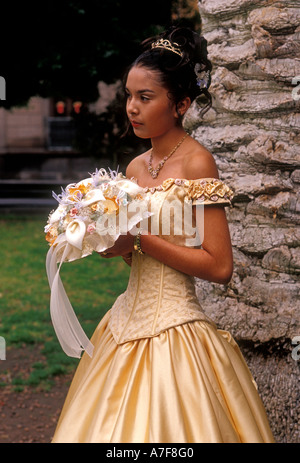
{"points": [[91, 216], [93, 213]]}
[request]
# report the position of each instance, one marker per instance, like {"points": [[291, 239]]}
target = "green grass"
{"points": [[92, 285]]}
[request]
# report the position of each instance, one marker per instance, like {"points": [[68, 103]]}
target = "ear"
{"points": [[183, 106]]}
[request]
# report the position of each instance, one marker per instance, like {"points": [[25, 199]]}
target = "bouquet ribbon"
{"points": [[70, 334]]}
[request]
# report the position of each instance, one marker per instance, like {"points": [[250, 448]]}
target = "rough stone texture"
{"points": [[253, 132]]}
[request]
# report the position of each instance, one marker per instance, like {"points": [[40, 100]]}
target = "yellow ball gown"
{"points": [[161, 371]]}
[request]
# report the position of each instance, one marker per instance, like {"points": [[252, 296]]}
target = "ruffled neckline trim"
{"points": [[166, 184], [209, 190]]}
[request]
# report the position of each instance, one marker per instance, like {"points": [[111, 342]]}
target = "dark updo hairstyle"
{"points": [[184, 76]]}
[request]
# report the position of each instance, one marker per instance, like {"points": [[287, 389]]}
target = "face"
{"points": [[150, 110]]}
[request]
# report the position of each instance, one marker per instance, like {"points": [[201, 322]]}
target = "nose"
{"points": [[131, 106]]}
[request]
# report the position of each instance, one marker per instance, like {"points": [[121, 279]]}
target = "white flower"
{"points": [[58, 214], [75, 233]]}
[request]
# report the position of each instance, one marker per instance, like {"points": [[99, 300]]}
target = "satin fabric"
{"points": [[161, 371], [188, 384]]}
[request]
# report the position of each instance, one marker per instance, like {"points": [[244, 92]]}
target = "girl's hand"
{"points": [[128, 259], [122, 247]]}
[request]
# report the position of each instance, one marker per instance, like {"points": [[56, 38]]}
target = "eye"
{"points": [[145, 98]]}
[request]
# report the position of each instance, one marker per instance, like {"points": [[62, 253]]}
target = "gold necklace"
{"points": [[154, 172]]}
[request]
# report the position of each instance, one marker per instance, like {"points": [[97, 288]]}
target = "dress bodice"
{"points": [[159, 297]]}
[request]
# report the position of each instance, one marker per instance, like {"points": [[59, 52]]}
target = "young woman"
{"points": [[161, 371]]}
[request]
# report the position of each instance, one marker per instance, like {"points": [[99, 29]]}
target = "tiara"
{"points": [[167, 45]]}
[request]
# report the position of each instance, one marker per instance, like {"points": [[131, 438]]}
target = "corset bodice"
{"points": [[159, 297]]}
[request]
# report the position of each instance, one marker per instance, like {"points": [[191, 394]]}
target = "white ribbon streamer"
{"points": [[69, 332]]}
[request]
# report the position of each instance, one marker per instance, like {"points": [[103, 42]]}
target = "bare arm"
{"points": [[213, 262]]}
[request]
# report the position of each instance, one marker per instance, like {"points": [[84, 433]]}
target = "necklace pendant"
{"points": [[154, 172]]}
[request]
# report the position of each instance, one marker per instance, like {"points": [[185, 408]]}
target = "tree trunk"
{"points": [[253, 133]]}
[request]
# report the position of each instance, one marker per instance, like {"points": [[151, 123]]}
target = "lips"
{"points": [[135, 123]]}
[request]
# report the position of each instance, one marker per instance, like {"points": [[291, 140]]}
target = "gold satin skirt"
{"points": [[190, 384]]}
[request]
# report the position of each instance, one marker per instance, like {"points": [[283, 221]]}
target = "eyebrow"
{"points": [[146, 90]]}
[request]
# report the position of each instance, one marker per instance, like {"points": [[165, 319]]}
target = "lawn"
{"points": [[92, 285]]}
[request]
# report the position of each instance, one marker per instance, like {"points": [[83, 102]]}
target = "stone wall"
{"points": [[253, 133]]}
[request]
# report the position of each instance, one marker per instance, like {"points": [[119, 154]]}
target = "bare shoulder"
{"points": [[199, 162], [134, 167]]}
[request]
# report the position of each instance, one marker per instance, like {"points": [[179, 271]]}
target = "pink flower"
{"points": [[91, 228], [73, 212]]}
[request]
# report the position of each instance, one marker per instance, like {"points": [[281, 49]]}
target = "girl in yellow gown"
{"points": [[161, 371]]}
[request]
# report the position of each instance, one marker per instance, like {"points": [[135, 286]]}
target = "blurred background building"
{"points": [[38, 152], [63, 115]]}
